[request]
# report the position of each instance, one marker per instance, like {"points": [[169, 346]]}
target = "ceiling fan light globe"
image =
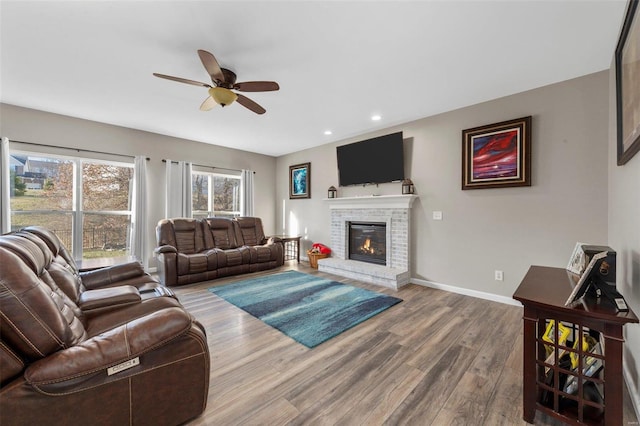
{"points": [[222, 96]]}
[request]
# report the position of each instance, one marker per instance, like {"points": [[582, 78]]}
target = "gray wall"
{"points": [[484, 230], [624, 237], [34, 126]]}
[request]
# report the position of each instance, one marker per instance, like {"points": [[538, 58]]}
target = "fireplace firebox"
{"points": [[368, 242]]}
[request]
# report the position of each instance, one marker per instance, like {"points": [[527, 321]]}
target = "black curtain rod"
{"points": [[76, 149], [202, 165]]}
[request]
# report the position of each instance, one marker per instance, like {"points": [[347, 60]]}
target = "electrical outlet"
{"points": [[498, 275], [437, 215]]}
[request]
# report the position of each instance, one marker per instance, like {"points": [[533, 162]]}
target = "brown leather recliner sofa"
{"points": [[109, 347], [192, 250]]}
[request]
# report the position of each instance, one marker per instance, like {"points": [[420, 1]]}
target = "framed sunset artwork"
{"points": [[497, 155]]}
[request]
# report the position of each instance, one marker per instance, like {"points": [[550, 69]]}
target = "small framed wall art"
{"points": [[300, 181], [628, 85], [497, 155]]}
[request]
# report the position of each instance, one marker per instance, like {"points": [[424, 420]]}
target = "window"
{"points": [[106, 209], [87, 203], [215, 194]]}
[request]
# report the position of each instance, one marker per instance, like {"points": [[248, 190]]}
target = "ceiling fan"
{"points": [[223, 81]]}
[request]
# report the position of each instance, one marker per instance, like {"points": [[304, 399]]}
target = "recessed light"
{"points": [[375, 117], [328, 132]]}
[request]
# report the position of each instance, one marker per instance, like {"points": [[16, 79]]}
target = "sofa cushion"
{"points": [[188, 234], [192, 263], [36, 321], [220, 233], [262, 254], [36, 255], [66, 280], [62, 268], [29, 252], [250, 229], [59, 251], [182, 233], [234, 257]]}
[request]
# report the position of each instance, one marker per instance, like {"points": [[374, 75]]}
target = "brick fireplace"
{"points": [[392, 211]]}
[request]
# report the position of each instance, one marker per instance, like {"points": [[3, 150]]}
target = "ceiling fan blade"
{"points": [[248, 103], [208, 104], [211, 65], [257, 86], [182, 80]]}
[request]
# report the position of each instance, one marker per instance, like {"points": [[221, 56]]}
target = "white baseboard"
{"points": [[466, 292], [152, 270]]}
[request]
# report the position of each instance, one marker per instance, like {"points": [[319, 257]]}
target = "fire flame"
{"points": [[366, 247]]}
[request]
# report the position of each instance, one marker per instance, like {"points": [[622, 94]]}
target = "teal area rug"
{"points": [[307, 308]]}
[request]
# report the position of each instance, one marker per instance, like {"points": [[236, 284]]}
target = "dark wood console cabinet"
{"points": [[548, 370]]}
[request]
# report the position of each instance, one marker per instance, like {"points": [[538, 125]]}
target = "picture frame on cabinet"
{"points": [[577, 262]]}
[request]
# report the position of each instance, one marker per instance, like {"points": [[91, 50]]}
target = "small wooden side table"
{"points": [[291, 246], [543, 292]]}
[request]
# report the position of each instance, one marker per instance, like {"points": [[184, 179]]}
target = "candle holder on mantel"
{"points": [[333, 192], [407, 186]]}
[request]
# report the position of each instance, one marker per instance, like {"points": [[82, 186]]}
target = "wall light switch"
{"points": [[437, 215]]}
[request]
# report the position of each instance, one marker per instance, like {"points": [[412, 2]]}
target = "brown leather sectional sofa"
{"points": [[106, 347], [192, 250]]}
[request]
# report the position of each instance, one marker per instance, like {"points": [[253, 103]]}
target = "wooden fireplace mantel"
{"points": [[372, 202]]}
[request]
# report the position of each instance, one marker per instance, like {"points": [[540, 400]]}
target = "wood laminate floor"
{"points": [[437, 358]]}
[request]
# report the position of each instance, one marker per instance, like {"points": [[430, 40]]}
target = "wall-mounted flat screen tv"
{"points": [[372, 161]]}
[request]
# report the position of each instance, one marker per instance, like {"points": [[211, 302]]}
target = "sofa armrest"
{"points": [[110, 275], [167, 266], [99, 300], [272, 240], [164, 249], [109, 356]]}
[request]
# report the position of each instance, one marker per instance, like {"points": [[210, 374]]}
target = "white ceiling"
{"points": [[337, 62]]}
